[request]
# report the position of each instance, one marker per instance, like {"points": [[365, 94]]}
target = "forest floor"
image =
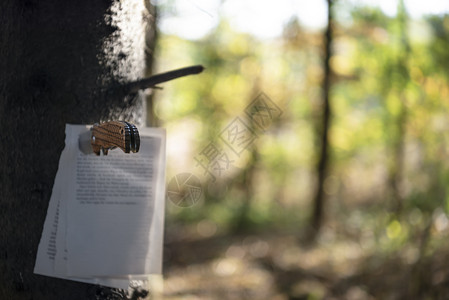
{"points": [[278, 265]]}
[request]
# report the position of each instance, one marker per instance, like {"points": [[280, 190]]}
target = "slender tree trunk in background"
{"points": [[247, 176], [398, 147], [247, 183], [61, 62], [396, 173], [319, 200], [150, 48]]}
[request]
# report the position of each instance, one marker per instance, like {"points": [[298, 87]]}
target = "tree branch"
{"points": [[151, 81]]}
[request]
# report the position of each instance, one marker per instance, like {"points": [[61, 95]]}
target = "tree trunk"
{"points": [[61, 62], [317, 217], [396, 172]]}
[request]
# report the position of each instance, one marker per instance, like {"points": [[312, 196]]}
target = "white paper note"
{"points": [[105, 218]]}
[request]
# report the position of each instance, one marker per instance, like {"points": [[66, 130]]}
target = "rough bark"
{"points": [[61, 62]]}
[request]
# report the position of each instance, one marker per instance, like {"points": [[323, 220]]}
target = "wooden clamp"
{"points": [[110, 135], [121, 134]]}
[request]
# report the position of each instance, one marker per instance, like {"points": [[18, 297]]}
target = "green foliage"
{"points": [[389, 121]]}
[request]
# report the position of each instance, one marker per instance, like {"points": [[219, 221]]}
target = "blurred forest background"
{"points": [[382, 230]]}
